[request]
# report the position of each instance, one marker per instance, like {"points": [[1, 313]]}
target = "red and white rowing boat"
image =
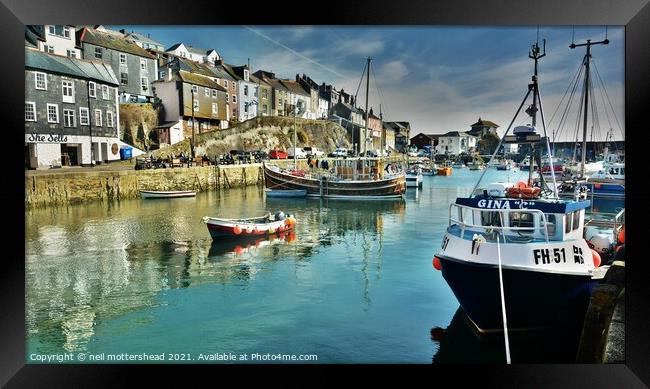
{"points": [[257, 226]]}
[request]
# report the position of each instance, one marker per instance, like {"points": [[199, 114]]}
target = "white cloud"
{"points": [[358, 46], [393, 71]]}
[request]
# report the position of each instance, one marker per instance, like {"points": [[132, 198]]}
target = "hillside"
{"points": [[263, 133]]}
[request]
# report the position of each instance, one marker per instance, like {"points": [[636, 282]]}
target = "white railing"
{"points": [[463, 225]]}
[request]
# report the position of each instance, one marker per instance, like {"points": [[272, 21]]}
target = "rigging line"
{"points": [[565, 114], [602, 96], [577, 128], [360, 80], [595, 123], [610, 102], [573, 33], [382, 100], [575, 79], [548, 146]]}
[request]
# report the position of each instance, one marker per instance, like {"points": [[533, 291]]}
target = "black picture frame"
{"points": [[634, 14]]}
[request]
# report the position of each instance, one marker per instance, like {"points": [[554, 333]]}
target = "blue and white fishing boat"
{"points": [[515, 255], [608, 183]]}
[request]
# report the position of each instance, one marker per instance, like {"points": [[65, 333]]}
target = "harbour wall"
{"points": [[73, 187]]}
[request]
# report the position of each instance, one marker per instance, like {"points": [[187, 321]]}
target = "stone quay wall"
{"points": [[64, 188]]}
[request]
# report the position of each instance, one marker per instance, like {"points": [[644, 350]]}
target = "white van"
{"points": [[313, 151], [300, 153]]}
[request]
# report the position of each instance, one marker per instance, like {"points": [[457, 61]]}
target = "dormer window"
{"points": [[245, 75]]}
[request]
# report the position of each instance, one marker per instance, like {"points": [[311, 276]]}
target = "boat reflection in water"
{"points": [[248, 245], [460, 342]]}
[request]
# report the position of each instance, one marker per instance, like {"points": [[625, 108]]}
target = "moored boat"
{"points": [[414, 178], [249, 227], [515, 256], [351, 179], [166, 194]]}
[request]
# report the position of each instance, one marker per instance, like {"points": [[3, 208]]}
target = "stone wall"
{"points": [[65, 188]]}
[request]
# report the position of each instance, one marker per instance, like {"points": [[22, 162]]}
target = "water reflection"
{"points": [[93, 263], [461, 342]]}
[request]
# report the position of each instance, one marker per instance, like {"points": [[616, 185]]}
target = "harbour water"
{"points": [[353, 284]]}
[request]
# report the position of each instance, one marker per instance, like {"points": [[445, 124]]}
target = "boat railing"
{"points": [[463, 225]]}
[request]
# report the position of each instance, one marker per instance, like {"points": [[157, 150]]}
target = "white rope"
{"points": [[503, 305]]}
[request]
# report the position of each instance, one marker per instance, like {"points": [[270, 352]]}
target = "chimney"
{"points": [[297, 77], [123, 31]]}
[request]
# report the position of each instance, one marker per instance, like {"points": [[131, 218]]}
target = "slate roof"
{"points": [[112, 41], [294, 87], [79, 68], [196, 79], [456, 134], [485, 123], [220, 72], [195, 67], [143, 38]]}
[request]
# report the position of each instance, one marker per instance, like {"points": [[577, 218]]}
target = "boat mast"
{"points": [[365, 130], [532, 110], [586, 89]]}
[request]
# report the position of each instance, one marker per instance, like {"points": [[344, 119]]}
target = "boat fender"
{"points": [[249, 230], [237, 230], [621, 235], [239, 250], [596, 257], [436, 263]]}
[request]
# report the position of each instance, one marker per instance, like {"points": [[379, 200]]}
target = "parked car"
{"points": [[260, 155], [313, 151], [278, 154], [340, 152], [300, 153], [241, 156]]}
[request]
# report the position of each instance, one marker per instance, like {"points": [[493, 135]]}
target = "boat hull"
{"points": [[146, 194], [227, 228], [533, 299], [377, 189], [608, 190], [284, 193]]}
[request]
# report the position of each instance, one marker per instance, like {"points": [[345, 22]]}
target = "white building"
{"points": [[194, 53], [247, 91], [455, 142], [53, 39]]}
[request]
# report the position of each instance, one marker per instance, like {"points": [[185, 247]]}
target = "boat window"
{"points": [[622, 170], [567, 223], [522, 219], [550, 225], [576, 220], [490, 219]]}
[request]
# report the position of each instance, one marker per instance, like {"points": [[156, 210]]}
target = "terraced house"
{"points": [[53, 39], [134, 66], [247, 91], [195, 101], [71, 111], [279, 93]]}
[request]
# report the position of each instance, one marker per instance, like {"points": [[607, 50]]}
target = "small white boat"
{"points": [[286, 193], [414, 178], [161, 194]]}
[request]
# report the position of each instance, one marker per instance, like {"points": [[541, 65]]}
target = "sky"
{"points": [[438, 78]]}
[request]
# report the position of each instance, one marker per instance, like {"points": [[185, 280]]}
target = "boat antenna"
{"points": [[586, 61]]}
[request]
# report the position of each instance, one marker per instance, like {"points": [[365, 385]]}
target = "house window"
{"points": [[255, 93], [98, 52], [52, 30], [98, 117], [215, 109], [41, 80], [195, 89], [92, 89], [207, 92], [144, 81], [109, 119], [225, 83], [196, 105], [245, 90], [84, 116], [68, 91], [52, 113], [66, 32], [105, 94], [162, 74], [246, 108], [122, 59], [71, 53], [30, 111], [214, 93], [124, 78], [234, 98], [143, 64], [68, 118], [48, 49], [245, 75]]}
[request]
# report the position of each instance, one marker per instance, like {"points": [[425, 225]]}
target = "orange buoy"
{"points": [[621, 235], [249, 230], [521, 184], [436, 263], [596, 257], [237, 230]]}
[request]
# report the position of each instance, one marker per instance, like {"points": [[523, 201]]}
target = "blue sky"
{"points": [[439, 78]]}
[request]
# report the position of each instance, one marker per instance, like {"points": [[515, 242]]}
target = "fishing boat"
{"points": [[458, 165], [608, 182], [414, 178], [251, 227], [476, 165], [284, 193], [162, 194], [515, 256], [505, 164]]}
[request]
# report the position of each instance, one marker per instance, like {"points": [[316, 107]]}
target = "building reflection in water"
{"points": [[91, 263]]}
